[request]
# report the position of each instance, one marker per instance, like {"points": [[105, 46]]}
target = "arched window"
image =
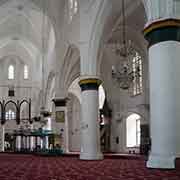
{"points": [[133, 130], [101, 96], [10, 115], [73, 8], [137, 68], [11, 72], [26, 72]]}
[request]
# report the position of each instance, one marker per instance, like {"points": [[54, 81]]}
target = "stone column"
{"points": [[22, 142], [39, 141], [36, 142], [164, 53], [2, 138], [90, 132], [46, 142], [18, 143], [27, 142], [61, 122], [32, 143], [47, 128]]}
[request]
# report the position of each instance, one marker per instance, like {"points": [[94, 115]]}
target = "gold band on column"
{"points": [[89, 84], [163, 30]]}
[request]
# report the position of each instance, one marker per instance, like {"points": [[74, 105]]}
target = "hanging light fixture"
{"points": [[124, 75]]}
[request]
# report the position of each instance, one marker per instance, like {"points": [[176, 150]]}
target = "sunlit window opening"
{"points": [[137, 82], [133, 130], [10, 115], [101, 97], [73, 8], [11, 72], [101, 100], [26, 73]]}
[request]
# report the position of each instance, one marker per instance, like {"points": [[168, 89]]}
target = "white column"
{"points": [[41, 142], [38, 141], [32, 146], [27, 142], [164, 66], [66, 134], [2, 138], [47, 142], [90, 132], [22, 142], [18, 143]]}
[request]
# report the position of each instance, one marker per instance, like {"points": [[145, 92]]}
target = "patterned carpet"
{"points": [[28, 167]]}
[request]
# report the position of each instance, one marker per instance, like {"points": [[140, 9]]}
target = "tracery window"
{"points": [[73, 8], [10, 115], [11, 72], [26, 72], [137, 67]]}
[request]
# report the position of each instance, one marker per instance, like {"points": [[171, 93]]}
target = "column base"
{"points": [[161, 162], [88, 156]]}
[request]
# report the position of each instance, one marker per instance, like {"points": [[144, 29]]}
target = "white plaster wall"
{"points": [[24, 89]]}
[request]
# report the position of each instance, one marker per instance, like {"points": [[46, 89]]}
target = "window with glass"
{"points": [[26, 73], [138, 131], [11, 72], [73, 8], [137, 70], [10, 115], [133, 130]]}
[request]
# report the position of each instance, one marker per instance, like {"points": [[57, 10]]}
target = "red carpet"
{"points": [[28, 167]]}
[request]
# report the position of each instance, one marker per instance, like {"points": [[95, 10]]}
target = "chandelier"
{"points": [[124, 74]]}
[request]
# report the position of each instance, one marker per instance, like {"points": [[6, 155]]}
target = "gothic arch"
{"points": [[70, 68], [99, 29]]}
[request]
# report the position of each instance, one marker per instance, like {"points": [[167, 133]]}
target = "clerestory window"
{"points": [[11, 72]]}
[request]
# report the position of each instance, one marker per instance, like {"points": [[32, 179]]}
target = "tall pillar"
{"points": [[46, 142], [47, 128], [29, 139], [31, 143], [32, 146], [164, 53], [27, 142], [41, 142], [2, 138], [90, 132], [22, 142], [18, 142], [61, 122], [36, 142]]}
